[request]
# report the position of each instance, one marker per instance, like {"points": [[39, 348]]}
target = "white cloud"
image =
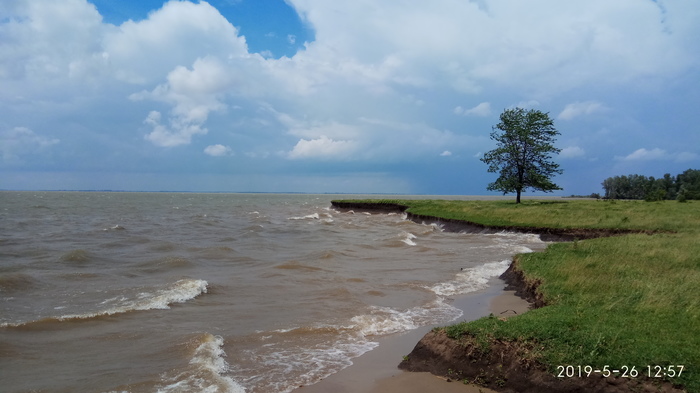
{"points": [[645, 155], [572, 152], [481, 110], [179, 133], [322, 147], [581, 108], [686, 157], [530, 104], [659, 154], [217, 150], [395, 63], [176, 35], [291, 38], [194, 94], [34, 36], [20, 141], [446, 153]]}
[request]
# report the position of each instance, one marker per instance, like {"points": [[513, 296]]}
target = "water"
{"points": [[179, 292]]}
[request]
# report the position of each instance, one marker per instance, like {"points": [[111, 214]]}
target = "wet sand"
{"points": [[377, 371]]}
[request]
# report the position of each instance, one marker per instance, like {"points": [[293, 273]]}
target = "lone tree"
{"points": [[523, 156]]}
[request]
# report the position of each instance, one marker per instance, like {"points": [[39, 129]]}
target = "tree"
{"points": [[523, 156]]}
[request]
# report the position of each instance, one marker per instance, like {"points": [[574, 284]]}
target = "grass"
{"points": [[630, 300]]}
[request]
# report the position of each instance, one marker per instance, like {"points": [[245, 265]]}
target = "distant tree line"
{"points": [[681, 187]]}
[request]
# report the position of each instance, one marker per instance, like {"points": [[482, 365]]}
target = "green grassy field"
{"points": [[631, 300]]}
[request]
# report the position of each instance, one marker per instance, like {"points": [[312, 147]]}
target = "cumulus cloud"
{"points": [[187, 66], [482, 110], [20, 141], [686, 157], [659, 154], [178, 133], [572, 152], [645, 155], [217, 150], [176, 35], [530, 104], [322, 147], [34, 33], [446, 153], [194, 94], [580, 108]]}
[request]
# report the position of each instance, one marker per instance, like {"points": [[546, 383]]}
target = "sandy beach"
{"points": [[377, 371]]}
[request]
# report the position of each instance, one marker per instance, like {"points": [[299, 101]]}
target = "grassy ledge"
{"points": [[622, 302]]}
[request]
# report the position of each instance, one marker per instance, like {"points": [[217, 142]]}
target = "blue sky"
{"points": [[318, 96]]}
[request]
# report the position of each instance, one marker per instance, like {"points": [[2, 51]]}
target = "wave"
{"points": [[205, 372], [386, 320], [471, 280], [179, 292], [314, 216], [407, 237], [165, 264], [303, 355], [509, 236], [16, 282], [297, 356], [76, 256], [115, 228], [295, 265]]}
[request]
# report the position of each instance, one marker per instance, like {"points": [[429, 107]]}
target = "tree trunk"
{"points": [[517, 198]]}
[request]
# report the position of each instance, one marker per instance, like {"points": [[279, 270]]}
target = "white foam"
{"points": [[179, 292], [522, 250], [289, 366], [438, 227], [206, 371], [408, 238], [327, 349], [314, 216], [527, 237], [472, 279], [386, 320]]}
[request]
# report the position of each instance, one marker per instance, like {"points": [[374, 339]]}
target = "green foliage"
{"points": [[629, 300], [561, 213], [523, 156], [651, 189], [655, 195]]}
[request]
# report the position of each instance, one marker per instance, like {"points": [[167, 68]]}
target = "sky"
{"points": [[323, 96]]}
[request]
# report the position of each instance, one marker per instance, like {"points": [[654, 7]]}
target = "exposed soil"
{"points": [[506, 366], [510, 366], [452, 225]]}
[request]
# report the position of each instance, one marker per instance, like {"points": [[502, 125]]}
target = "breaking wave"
{"points": [[179, 292], [472, 279], [205, 371]]}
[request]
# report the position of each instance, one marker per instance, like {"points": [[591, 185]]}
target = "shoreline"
{"points": [[455, 225], [377, 371], [507, 366]]}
